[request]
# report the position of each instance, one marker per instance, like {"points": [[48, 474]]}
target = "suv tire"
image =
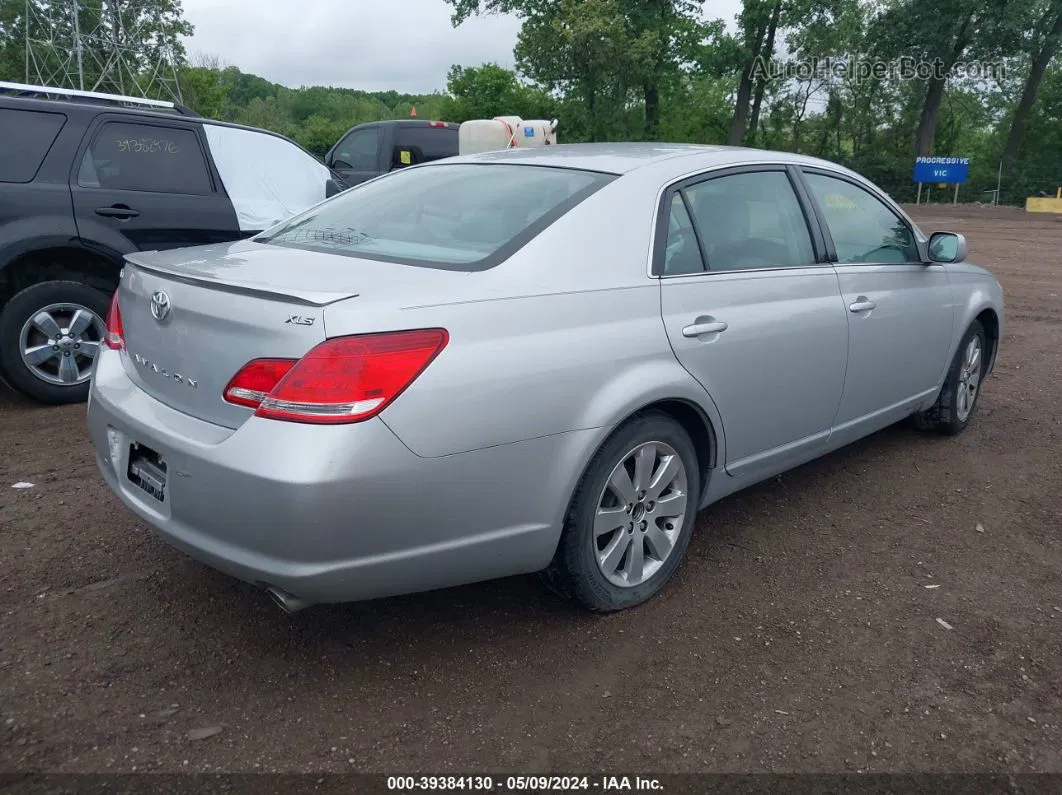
{"points": [[36, 358]]}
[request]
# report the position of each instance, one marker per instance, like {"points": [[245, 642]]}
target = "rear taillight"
{"points": [[256, 380], [346, 379], [436, 124], [115, 338]]}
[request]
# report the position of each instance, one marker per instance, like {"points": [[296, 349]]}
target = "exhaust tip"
{"points": [[285, 601]]}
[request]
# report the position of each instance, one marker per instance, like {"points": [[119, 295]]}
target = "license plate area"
{"points": [[147, 471]]}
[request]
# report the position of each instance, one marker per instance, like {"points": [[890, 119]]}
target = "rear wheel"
{"points": [[958, 397], [631, 518], [49, 336]]}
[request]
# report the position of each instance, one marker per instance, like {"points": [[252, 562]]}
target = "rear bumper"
{"points": [[339, 513]]}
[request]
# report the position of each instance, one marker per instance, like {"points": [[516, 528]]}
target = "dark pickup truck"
{"points": [[369, 150]]}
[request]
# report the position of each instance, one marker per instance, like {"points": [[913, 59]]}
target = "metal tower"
{"points": [[99, 45]]}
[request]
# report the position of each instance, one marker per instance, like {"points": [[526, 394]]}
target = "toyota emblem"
{"points": [[160, 305]]}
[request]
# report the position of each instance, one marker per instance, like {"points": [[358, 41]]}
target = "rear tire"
{"points": [[958, 397], [49, 336], [617, 553]]}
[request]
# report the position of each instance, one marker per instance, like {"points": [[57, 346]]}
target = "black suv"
{"points": [[369, 150], [86, 179]]}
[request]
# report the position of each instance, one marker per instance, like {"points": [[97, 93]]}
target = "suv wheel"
{"points": [[49, 336]]}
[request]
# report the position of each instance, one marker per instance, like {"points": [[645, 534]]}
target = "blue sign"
{"points": [[529, 132], [945, 170]]}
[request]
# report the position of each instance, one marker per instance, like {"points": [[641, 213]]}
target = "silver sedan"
{"points": [[525, 361]]}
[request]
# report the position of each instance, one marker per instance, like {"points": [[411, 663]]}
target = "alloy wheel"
{"points": [[640, 515], [969, 379], [60, 342]]}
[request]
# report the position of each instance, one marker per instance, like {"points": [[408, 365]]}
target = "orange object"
{"points": [[414, 111]]}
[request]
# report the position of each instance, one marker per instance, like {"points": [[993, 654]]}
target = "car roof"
{"points": [[623, 157], [93, 108], [449, 125]]}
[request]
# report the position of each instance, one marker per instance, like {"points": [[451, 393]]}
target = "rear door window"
{"points": [[26, 136], [455, 216], [146, 157], [751, 220], [425, 144]]}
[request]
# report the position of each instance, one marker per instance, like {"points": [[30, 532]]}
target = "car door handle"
{"points": [[862, 304], [711, 327], [117, 211]]}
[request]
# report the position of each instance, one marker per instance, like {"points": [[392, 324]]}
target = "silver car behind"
{"points": [[538, 360]]}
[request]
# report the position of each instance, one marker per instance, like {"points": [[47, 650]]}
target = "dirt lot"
{"points": [[799, 636]]}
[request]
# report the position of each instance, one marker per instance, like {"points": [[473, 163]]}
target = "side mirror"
{"points": [[947, 247], [332, 187]]}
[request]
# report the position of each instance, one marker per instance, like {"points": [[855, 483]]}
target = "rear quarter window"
{"points": [[26, 137], [453, 216], [428, 143]]}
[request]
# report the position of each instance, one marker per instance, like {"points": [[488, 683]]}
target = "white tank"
{"points": [[504, 132]]}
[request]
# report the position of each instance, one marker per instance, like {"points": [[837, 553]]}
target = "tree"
{"points": [[832, 38], [939, 34], [488, 90], [755, 20], [12, 40], [121, 41], [202, 91], [1048, 45], [580, 49], [661, 32], [760, 23], [603, 49]]}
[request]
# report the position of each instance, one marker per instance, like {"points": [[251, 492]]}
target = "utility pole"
{"points": [[114, 51], [75, 20]]}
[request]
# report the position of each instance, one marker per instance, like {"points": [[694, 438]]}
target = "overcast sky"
{"points": [[406, 45]]}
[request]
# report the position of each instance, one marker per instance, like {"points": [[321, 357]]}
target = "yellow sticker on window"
{"points": [[839, 202], [404, 158]]}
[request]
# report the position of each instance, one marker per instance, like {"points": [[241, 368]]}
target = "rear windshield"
{"points": [[456, 216]]}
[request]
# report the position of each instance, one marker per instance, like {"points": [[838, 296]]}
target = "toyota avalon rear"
{"points": [[240, 404]]}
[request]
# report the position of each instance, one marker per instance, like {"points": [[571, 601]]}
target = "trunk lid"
{"points": [[231, 303], [219, 315]]}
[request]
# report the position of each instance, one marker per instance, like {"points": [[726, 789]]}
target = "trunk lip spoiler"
{"points": [[291, 295]]}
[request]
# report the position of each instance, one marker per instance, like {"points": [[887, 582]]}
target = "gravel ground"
{"points": [[798, 636]]}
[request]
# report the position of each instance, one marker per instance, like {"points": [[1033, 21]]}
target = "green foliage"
{"points": [[605, 53], [12, 40], [659, 70], [159, 25], [487, 91], [315, 117], [203, 90]]}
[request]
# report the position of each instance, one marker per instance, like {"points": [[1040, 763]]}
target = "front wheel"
{"points": [[50, 334], [631, 518], [958, 397]]}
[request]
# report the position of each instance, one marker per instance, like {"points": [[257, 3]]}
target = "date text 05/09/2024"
{"points": [[523, 783]]}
